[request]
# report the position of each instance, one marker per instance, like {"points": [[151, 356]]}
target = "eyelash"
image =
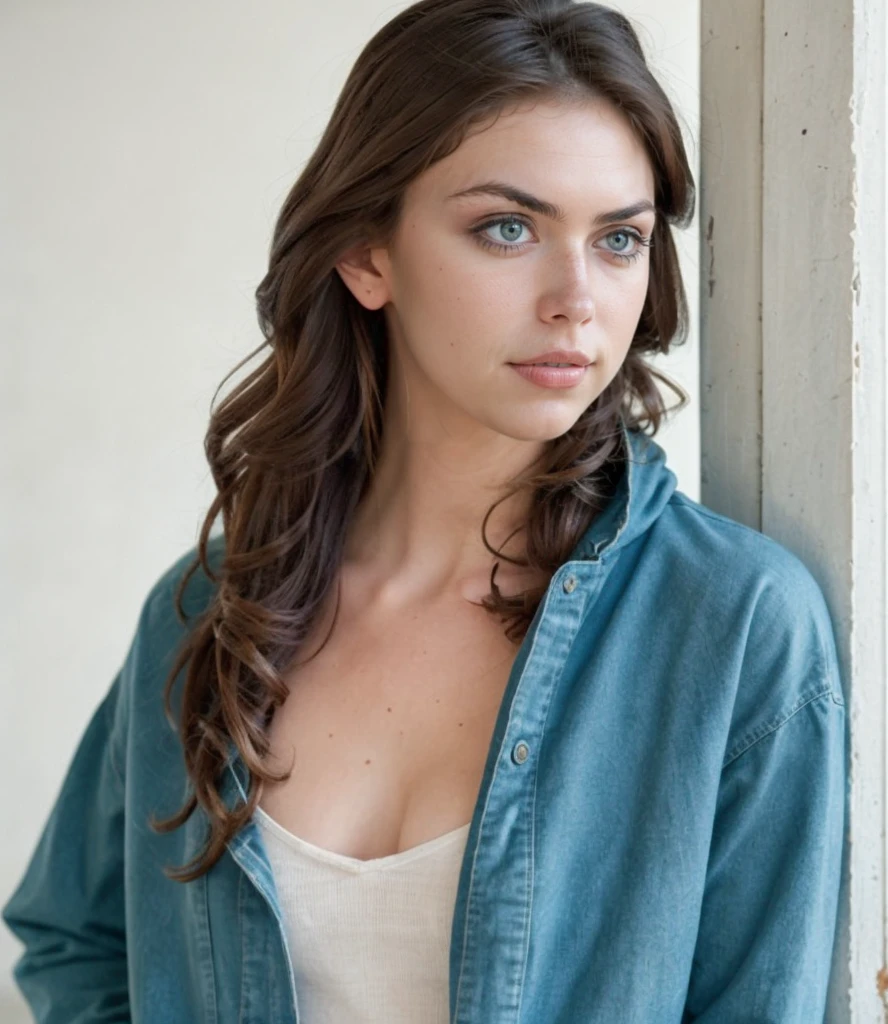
{"points": [[641, 240]]}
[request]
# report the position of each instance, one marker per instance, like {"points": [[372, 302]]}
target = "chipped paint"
{"points": [[710, 232]]}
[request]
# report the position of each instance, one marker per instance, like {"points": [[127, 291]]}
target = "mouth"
{"points": [[547, 375], [548, 364], [558, 358]]}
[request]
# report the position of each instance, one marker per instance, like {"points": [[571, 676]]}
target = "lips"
{"points": [[551, 376], [571, 358]]}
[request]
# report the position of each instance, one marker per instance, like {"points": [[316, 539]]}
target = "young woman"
{"points": [[476, 717]]}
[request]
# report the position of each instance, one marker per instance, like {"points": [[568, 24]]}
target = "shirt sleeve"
{"points": [[69, 908], [768, 918]]}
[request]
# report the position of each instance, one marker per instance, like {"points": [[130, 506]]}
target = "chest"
{"points": [[387, 729]]}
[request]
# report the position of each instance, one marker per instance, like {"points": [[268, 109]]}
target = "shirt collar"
{"points": [[642, 493]]}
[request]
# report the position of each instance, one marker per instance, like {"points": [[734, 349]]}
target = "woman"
{"points": [[475, 716]]}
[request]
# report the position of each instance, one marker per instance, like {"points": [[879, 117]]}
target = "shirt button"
{"points": [[570, 584], [520, 752]]}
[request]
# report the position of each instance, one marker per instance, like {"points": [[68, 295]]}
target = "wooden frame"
{"points": [[793, 367]]}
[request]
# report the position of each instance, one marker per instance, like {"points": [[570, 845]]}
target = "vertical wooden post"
{"points": [[793, 367], [731, 84]]}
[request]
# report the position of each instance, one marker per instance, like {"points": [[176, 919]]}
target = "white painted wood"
{"points": [[730, 258], [868, 654], [798, 222], [807, 331]]}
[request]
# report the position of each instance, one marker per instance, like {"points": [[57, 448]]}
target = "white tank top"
{"points": [[369, 939]]}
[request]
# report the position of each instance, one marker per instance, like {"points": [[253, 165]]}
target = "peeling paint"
{"points": [[710, 231], [882, 981]]}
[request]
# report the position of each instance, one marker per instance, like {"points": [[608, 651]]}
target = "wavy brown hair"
{"points": [[293, 447]]}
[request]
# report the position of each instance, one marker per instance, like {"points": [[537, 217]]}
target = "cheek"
{"points": [[636, 305], [618, 314], [432, 285], [459, 318], [620, 300]]}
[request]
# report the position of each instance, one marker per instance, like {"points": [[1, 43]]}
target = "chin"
{"points": [[534, 427]]}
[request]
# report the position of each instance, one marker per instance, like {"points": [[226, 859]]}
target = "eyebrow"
{"points": [[547, 209]]}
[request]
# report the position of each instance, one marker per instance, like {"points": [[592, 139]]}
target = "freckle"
{"points": [[367, 761], [388, 709], [437, 701], [460, 725], [330, 735]]}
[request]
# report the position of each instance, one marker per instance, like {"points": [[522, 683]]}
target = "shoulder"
{"points": [[135, 710], [731, 545], [736, 560], [199, 589], [160, 630], [764, 616]]}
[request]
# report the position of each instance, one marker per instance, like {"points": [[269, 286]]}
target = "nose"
{"points": [[570, 299]]}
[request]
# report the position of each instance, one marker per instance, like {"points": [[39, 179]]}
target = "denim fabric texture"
{"points": [[657, 838]]}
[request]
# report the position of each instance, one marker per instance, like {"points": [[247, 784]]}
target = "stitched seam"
{"points": [[244, 987], [261, 870], [209, 975], [496, 767], [826, 692], [838, 696]]}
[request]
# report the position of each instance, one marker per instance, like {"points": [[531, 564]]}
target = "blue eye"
{"points": [[514, 224], [641, 242], [489, 243], [617, 234]]}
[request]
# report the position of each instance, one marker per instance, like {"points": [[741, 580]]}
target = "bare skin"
{"points": [[391, 723]]}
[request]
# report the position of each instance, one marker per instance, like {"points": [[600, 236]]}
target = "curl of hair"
{"points": [[293, 447]]}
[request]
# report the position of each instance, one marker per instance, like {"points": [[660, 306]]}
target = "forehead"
{"points": [[580, 154]]}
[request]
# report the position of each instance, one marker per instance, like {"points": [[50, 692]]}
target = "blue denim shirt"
{"points": [[657, 837]]}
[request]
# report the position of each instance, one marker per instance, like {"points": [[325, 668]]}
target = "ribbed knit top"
{"points": [[369, 939]]}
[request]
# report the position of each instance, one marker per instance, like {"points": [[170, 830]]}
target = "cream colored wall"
{"points": [[147, 149]]}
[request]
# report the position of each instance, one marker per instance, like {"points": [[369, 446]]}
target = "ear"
{"points": [[365, 273]]}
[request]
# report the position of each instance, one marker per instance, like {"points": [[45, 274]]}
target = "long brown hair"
{"points": [[293, 447]]}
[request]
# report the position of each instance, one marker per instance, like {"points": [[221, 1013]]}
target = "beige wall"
{"points": [[148, 147]]}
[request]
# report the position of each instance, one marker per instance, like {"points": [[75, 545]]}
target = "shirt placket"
{"points": [[264, 994], [495, 897]]}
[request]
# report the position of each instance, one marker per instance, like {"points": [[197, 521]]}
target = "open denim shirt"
{"points": [[658, 834]]}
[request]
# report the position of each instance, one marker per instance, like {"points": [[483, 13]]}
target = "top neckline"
{"points": [[319, 853]]}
